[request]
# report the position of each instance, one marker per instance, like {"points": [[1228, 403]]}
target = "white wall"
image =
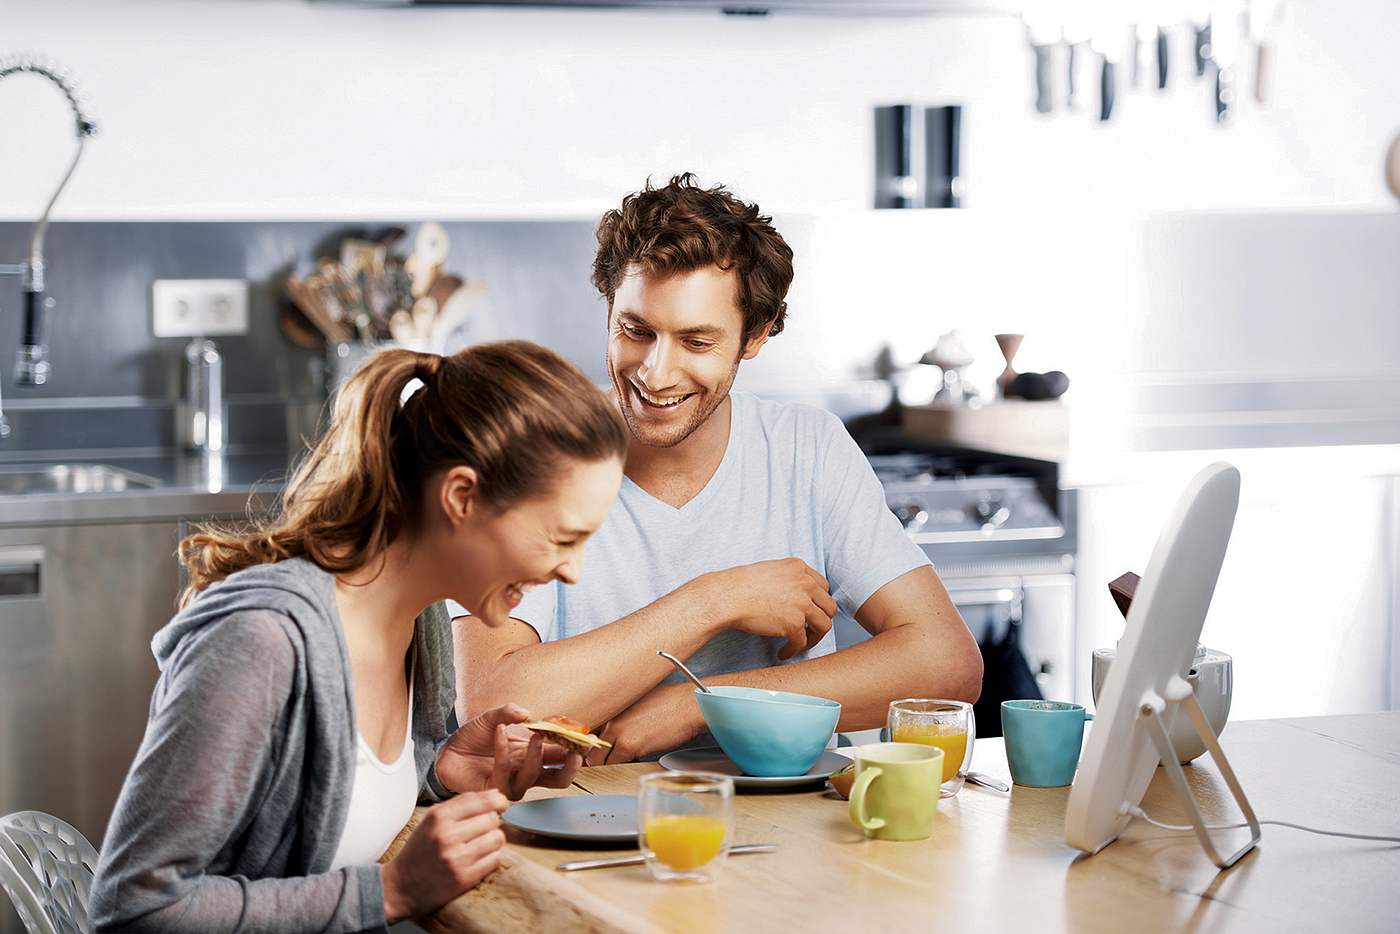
{"points": [[284, 109]]}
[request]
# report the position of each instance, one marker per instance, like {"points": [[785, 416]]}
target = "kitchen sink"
{"points": [[20, 479]]}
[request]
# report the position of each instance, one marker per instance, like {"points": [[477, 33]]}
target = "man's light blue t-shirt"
{"points": [[792, 484]]}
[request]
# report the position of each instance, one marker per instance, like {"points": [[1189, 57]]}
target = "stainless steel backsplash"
{"points": [[114, 385]]}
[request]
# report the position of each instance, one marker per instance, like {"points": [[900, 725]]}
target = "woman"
{"points": [[305, 686]]}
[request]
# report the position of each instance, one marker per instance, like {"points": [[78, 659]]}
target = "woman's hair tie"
{"points": [[427, 368]]}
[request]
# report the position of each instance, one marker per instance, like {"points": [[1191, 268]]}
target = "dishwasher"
{"points": [[85, 582], [78, 607]]}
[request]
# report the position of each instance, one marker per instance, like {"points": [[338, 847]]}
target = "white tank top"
{"points": [[382, 799]]}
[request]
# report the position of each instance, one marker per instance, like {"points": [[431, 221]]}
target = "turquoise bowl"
{"points": [[769, 733]]}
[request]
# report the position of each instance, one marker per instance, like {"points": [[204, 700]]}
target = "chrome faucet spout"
{"points": [[31, 358], [204, 428]]}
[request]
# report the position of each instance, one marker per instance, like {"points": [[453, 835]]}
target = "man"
{"points": [[741, 524]]}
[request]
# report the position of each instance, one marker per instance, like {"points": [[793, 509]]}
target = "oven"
{"points": [[1002, 536]]}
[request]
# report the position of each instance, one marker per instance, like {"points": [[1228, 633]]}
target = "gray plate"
{"points": [[609, 818], [713, 759]]}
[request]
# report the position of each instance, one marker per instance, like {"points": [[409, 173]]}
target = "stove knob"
{"points": [[991, 513], [911, 516], [986, 507]]}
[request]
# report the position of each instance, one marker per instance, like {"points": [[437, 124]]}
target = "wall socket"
{"points": [[199, 307]]}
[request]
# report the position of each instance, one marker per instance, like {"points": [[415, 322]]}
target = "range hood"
{"points": [[733, 7]]}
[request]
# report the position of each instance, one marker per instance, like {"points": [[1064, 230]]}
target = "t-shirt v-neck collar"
{"points": [[697, 502]]}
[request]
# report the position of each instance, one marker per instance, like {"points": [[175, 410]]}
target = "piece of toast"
{"points": [[569, 733]]}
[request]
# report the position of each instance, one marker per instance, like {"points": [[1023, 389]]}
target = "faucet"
{"points": [[31, 357], [204, 423]]}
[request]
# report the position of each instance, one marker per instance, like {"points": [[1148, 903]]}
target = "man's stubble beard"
{"points": [[625, 394]]}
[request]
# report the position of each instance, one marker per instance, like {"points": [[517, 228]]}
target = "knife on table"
{"points": [[637, 859]]}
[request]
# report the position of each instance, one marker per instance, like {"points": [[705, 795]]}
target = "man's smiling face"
{"points": [[674, 346]]}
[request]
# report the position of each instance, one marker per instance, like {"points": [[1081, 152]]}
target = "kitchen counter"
{"points": [[180, 486]]}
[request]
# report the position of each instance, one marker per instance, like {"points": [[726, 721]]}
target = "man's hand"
{"points": [[783, 598], [664, 718], [486, 753]]}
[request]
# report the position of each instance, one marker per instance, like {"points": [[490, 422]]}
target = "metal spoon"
{"points": [[684, 670]]}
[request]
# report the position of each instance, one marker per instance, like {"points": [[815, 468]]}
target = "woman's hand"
{"points": [[456, 845], [486, 753]]}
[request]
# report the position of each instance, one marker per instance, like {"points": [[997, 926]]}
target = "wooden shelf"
{"points": [[1010, 426]]}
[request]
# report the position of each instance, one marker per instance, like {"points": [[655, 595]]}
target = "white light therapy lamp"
{"points": [[1151, 676]]}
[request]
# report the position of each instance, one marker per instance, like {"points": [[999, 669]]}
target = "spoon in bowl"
{"points": [[684, 670]]}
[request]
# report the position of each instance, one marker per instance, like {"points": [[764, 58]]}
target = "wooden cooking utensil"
{"points": [[457, 307], [311, 301], [442, 288], [425, 265], [425, 311], [1009, 344], [298, 328]]}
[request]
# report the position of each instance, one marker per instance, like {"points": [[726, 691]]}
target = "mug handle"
{"points": [[857, 805]]}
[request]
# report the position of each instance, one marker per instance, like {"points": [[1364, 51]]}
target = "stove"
{"points": [[967, 498]]}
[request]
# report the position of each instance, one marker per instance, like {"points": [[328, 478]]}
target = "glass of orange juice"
{"points": [[683, 824], [946, 724]]}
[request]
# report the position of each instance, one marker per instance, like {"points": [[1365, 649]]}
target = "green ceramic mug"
{"points": [[895, 793]]}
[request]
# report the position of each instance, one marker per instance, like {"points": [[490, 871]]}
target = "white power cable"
{"points": [[1138, 812]]}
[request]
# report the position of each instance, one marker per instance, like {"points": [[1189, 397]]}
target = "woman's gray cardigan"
{"points": [[235, 803]]}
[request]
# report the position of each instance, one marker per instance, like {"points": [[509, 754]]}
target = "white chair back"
{"points": [[46, 867]]}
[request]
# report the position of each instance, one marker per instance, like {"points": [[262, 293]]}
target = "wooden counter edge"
{"points": [[520, 896]]}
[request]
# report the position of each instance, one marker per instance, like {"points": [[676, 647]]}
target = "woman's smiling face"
{"points": [[503, 555]]}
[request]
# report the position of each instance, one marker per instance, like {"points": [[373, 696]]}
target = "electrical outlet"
{"points": [[199, 307]]}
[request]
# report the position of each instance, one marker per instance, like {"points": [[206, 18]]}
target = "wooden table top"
{"points": [[998, 862]]}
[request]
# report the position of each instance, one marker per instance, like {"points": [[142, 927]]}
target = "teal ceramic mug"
{"points": [[1043, 739]]}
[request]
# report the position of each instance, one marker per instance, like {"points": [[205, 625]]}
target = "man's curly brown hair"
{"points": [[682, 227]]}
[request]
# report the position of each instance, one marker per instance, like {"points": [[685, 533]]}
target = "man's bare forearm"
{"points": [[920, 647], [591, 676], [595, 675], [933, 657]]}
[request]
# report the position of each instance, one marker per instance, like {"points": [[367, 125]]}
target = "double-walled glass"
{"points": [[947, 724], [684, 824]]}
